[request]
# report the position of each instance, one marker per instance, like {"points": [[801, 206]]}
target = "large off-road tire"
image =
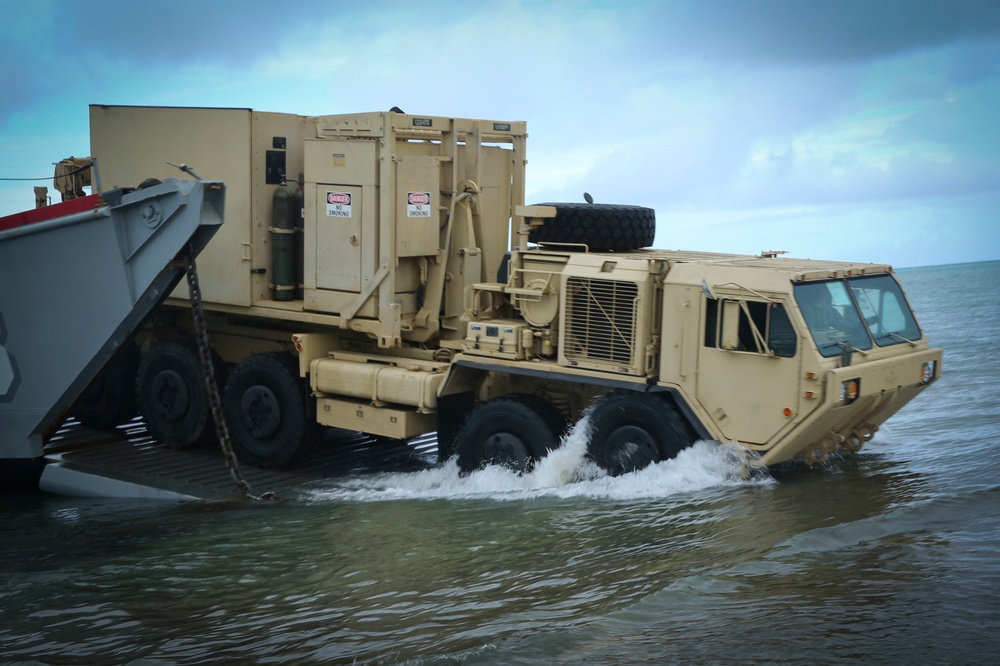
{"points": [[514, 431], [631, 430], [601, 227], [450, 416], [110, 400], [266, 409], [173, 400]]}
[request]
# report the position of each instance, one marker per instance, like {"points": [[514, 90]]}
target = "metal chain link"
{"points": [[212, 385]]}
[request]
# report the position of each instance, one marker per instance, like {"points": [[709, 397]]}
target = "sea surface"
{"points": [[888, 556]]}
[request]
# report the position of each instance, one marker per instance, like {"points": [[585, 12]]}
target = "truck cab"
{"points": [[802, 358]]}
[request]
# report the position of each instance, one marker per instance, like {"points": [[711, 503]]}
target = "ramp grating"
{"points": [[129, 453]]}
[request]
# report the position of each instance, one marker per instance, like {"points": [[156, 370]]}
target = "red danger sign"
{"points": [[418, 204], [338, 204]]}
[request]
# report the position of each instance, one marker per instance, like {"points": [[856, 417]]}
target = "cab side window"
{"points": [[780, 334], [749, 326]]}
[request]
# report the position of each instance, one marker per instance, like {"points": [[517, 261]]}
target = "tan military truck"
{"points": [[379, 272]]}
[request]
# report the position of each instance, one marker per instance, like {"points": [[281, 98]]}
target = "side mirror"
{"points": [[709, 294]]}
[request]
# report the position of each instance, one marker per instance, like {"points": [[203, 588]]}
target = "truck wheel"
{"points": [[265, 405], [514, 431], [451, 413], [631, 430], [173, 400], [110, 399], [601, 227]]}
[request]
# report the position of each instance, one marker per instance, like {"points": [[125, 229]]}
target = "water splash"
{"points": [[566, 472]]}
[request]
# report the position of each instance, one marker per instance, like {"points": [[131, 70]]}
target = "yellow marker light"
{"points": [[927, 372], [849, 391]]}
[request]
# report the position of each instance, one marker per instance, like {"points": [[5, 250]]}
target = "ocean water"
{"points": [[889, 556]]}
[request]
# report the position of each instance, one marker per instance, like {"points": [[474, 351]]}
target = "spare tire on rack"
{"points": [[601, 227]]}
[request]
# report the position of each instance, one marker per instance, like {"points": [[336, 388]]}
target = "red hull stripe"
{"points": [[90, 202]]}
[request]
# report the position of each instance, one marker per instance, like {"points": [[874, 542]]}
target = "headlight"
{"points": [[849, 391], [927, 371]]}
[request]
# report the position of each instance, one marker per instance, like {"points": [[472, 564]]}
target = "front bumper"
{"points": [[884, 386]]}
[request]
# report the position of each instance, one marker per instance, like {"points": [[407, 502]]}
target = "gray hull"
{"points": [[74, 287]]}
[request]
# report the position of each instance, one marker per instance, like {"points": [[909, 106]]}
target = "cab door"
{"points": [[748, 368]]}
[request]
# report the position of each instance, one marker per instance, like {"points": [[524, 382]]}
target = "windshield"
{"points": [[855, 312], [885, 310], [833, 319]]}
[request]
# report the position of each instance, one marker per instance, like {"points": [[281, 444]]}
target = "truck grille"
{"points": [[601, 316]]}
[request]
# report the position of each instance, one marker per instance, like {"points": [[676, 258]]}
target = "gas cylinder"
{"points": [[283, 244]]}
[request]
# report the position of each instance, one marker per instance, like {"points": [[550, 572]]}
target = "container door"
{"points": [[338, 238]]}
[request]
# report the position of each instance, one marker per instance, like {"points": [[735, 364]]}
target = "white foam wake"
{"points": [[565, 472]]}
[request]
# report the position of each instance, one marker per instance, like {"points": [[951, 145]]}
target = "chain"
{"points": [[212, 384]]}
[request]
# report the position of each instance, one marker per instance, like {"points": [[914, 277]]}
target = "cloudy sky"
{"points": [[838, 129]]}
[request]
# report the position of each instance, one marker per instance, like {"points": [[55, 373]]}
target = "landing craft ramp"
{"points": [[128, 462], [78, 279]]}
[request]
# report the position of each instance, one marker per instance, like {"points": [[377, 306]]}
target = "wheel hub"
{"points": [[172, 395], [629, 448], [504, 448], [262, 412]]}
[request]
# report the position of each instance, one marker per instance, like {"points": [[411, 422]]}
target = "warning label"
{"points": [[418, 204], [338, 204]]}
